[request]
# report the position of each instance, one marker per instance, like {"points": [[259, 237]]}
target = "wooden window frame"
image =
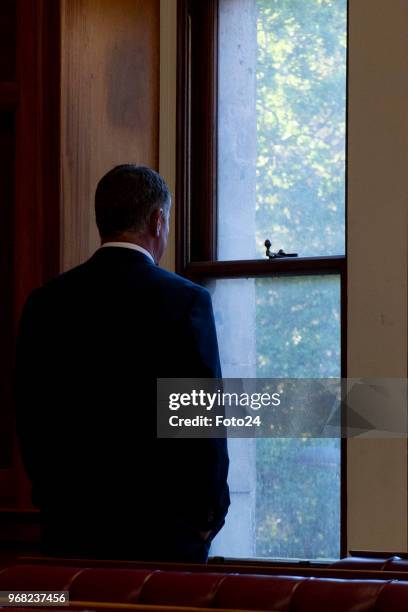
{"points": [[196, 174]]}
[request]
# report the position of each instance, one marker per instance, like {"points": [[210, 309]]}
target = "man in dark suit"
{"points": [[91, 344]]}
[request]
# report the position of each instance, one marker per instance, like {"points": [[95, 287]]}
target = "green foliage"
{"points": [[298, 510], [298, 481], [298, 327], [301, 89]]}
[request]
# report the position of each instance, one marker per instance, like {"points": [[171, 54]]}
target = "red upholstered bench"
{"points": [[150, 589], [389, 564], [359, 563], [98, 607], [35, 577], [255, 592], [384, 566], [395, 564]]}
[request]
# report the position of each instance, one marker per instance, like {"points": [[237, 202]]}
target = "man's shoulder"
{"points": [[53, 286], [160, 279], [171, 278], [172, 282]]}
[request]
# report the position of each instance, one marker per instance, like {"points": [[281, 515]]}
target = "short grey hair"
{"points": [[127, 196]]}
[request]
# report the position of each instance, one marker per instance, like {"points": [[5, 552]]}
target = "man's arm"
{"points": [[211, 454], [204, 345], [26, 381]]}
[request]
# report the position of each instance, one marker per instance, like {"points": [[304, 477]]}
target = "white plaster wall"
{"points": [[377, 258]]}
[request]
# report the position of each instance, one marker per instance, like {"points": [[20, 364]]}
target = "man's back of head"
{"points": [[132, 204]]}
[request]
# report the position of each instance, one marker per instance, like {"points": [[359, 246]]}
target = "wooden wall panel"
{"points": [[79, 93], [36, 213], [9, 97], [8, 40], [7, 148], [110, 105], [168, 116], [36, 203]]}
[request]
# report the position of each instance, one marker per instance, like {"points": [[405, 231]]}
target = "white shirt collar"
{"points": [[129, 245]]}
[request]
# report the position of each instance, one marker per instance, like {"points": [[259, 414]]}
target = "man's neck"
{"points": [[139, 239]]}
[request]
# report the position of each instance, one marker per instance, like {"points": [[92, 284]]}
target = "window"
{"points": [[261, 155]]}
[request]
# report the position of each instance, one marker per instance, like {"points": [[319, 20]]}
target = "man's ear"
{"points": [[155, 222]]}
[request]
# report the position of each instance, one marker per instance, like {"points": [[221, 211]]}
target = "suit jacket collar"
{"points": [[121, 254]]}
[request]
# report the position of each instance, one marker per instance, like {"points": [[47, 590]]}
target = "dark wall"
{"points": [[66, 115]]}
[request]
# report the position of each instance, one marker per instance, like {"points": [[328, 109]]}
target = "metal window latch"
{"points": [[280, 253]]}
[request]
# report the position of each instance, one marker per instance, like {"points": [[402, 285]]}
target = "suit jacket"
{"points": [[91, 344]]}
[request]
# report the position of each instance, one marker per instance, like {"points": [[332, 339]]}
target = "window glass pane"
{"points": [[285, 493], [281, 127]]}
